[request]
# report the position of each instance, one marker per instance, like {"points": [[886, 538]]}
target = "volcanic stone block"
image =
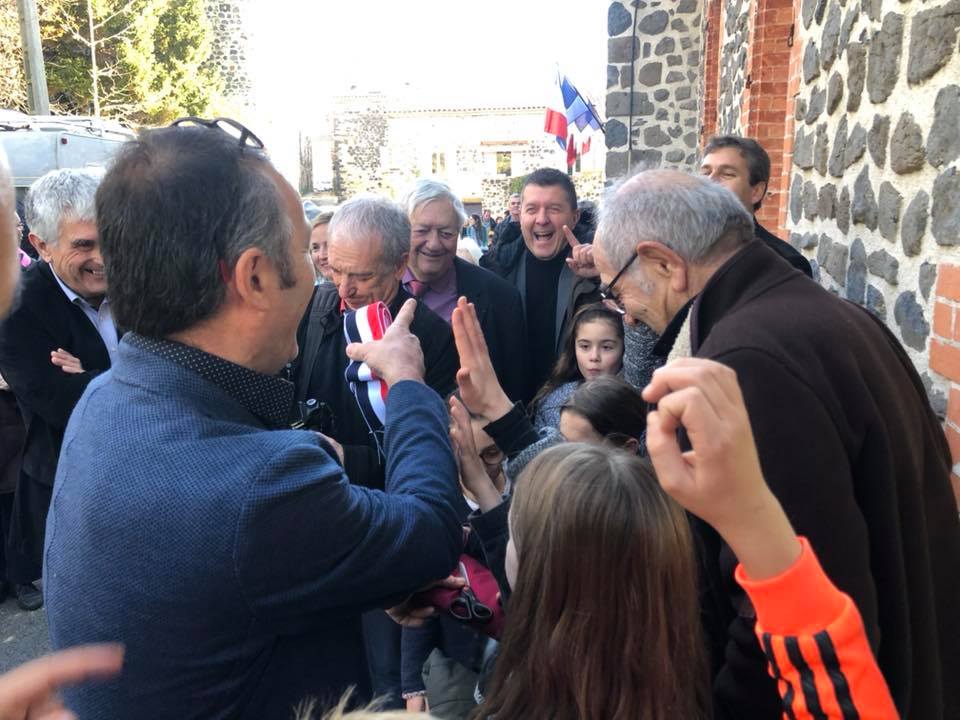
{"points": [[914, 224], [856, 144], [885, 50], [883, 264], [933, 40], [856, 284], [943, 142], [666, 46], [945, 215], [843, 210], [928, 276], [864, 209], [856, 74], [836, 165], [810, 200], [821, 149], [654, 23], [622, 50], [914, 329], [811, 62], [824, 249], [674, 156], [827, 201], [876, 303], [836, 264], [834, 92], [796, 198], [906, 146], [650, 74], [848, 22], [618, 19], [674, 76], [818, 100], [661, 94], [890, 202], [803, 150], [877, 139], [829, 41], [616, 133]]}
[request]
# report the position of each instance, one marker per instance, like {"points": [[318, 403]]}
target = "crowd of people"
{"points": [[616, 462]]}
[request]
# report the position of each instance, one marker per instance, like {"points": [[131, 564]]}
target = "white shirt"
{"points": [[100, 317]]}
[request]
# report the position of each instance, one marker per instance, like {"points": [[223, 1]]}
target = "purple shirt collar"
{"points": [[441, 294]]}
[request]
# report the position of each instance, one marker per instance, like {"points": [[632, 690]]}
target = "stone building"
{"points": [[230, 47], [858, 104], [381, 143]]}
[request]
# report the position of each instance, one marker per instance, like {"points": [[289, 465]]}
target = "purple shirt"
{"points": [[440, 295]]}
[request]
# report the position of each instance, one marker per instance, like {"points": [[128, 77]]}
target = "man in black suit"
{"points": [[437, 277], [59, 337], [743, 167]]}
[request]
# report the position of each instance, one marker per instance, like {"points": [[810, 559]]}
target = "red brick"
{"points": [[945, 359], [943, 320], [948, 281], [953, 405]]}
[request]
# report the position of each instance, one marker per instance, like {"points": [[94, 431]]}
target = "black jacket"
{"points": [[784, 249], [43, 321], [498, 306], [850, 446], [323, 379]]}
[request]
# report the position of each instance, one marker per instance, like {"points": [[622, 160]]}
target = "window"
{"points": [[504, 163], [439, 163]]}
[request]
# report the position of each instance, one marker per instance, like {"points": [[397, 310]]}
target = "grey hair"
{"points": [[427, 190], [60, 195], [369, 214], [698, 219], [514, 195]]}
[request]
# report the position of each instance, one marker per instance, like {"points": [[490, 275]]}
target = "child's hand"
{"points": [[473, 475]]}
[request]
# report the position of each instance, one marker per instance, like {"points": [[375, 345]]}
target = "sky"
{"points": [[490, 52]]}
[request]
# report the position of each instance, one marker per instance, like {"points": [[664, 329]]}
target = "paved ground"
{"points": [[23, 635]]}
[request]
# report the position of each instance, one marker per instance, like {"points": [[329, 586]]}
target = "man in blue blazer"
{"points": [[231, 556]]}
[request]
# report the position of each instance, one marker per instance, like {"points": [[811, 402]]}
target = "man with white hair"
{"points": [[58, 338], [437, 277], [846, 436]]}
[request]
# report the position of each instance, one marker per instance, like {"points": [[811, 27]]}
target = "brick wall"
{"points": [[711, 69], [945, 356]]}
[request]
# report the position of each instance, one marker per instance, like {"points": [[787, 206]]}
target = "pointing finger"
{"points": [[571, 238], [405, 316]]}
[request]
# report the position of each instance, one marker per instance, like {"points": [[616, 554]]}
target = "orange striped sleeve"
{"points": [[816, 645]]}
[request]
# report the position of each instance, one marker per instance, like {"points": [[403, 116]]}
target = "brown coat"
{"points": [[850, 446]]}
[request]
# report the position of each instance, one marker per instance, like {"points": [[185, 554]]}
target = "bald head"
{"points": [[9, 266], [699, 220]]}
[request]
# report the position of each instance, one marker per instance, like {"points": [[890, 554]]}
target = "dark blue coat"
{"points": [[232, 561]]}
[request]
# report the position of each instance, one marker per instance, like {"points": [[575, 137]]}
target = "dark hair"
{"points": [[176, 204], [604, 616], [549, 177], [566, 368], [758, 162], [613, 407]]}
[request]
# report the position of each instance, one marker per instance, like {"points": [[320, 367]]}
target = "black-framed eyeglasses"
{"points": [[609, 295], [244, 136]]}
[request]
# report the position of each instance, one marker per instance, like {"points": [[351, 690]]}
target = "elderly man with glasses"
{"points": [[846, 436]]}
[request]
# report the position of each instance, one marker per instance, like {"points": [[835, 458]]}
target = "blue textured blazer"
{"points": [[232, 560]]}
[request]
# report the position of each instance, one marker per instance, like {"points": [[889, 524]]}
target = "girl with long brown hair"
{"points": [[603, 619]]}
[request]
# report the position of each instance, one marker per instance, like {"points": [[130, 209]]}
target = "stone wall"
{"points": [[653, 84], [875, 189], [230, 47], [735, 29]]}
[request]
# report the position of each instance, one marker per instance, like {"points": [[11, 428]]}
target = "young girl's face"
{"points": [[599, 349]]}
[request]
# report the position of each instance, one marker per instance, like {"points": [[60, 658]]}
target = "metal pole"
{"points": [[37, 98]]}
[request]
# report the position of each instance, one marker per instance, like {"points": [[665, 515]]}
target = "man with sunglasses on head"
{"points": [[231, 556]]}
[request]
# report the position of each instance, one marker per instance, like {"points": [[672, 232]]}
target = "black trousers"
{"points": [[28, 524]]}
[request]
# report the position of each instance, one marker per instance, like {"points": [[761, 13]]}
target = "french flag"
{"points": [[577, 110], [555, 122]]}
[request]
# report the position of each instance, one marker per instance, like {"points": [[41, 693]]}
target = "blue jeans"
{"points": [[382, 638]]}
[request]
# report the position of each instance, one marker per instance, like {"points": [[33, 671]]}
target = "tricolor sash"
{"points": [[363, 325]]}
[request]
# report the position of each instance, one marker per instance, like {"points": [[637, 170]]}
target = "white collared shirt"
{"points": [[101, 318]]}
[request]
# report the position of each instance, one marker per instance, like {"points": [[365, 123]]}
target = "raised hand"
{"points": [[479, 388], [473, 475], [30, 691], [66, 362], [413, 613], [581, 256], [719, 479], [397, 355]]}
